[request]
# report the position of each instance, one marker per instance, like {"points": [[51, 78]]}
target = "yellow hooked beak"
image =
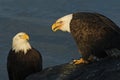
{"points": [[56, 26], [25, 36]]}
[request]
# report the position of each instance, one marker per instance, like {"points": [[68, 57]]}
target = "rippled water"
{"points": [[35, 17]]}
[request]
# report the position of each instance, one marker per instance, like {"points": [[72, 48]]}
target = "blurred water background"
{"points": [[35, 17]]}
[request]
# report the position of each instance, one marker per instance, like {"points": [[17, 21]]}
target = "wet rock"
{"points": [[107, 69]]}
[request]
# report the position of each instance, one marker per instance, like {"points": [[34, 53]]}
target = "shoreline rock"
{"points": [[106, 69]]}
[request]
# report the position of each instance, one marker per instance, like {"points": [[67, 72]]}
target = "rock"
{"points": [[106, 69]]}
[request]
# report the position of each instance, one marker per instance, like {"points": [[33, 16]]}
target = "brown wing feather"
{"points": [[94, 34]]}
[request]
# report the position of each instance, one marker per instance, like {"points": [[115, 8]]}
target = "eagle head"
{"points": [[20, 42], [62, 23]]}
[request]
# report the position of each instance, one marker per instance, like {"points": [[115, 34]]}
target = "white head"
{"points": [[20, 42], [62, 23]]}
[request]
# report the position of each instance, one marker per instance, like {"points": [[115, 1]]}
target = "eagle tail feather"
{"points": [[113, 52]]}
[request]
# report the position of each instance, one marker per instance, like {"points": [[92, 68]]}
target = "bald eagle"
{"points": [[96, 35], [22, 59]]}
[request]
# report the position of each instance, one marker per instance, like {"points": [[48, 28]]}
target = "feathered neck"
{"points": [[66, 22], [20, 45]]}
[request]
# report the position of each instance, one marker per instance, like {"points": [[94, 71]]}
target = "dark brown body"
{"points": [[94, 34], [20, 65]]}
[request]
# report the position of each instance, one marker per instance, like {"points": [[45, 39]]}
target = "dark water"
{"points": [[35, 17]]}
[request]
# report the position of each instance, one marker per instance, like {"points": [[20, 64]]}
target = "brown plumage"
{"points": [[94, 34]]}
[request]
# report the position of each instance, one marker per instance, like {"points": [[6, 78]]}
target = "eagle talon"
{"points": [[80, 61]]}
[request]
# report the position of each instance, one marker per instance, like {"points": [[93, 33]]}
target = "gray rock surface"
{"points": [[107, 69]]}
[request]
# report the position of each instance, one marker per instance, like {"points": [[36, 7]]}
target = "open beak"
{"points": [[56, 26]]}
